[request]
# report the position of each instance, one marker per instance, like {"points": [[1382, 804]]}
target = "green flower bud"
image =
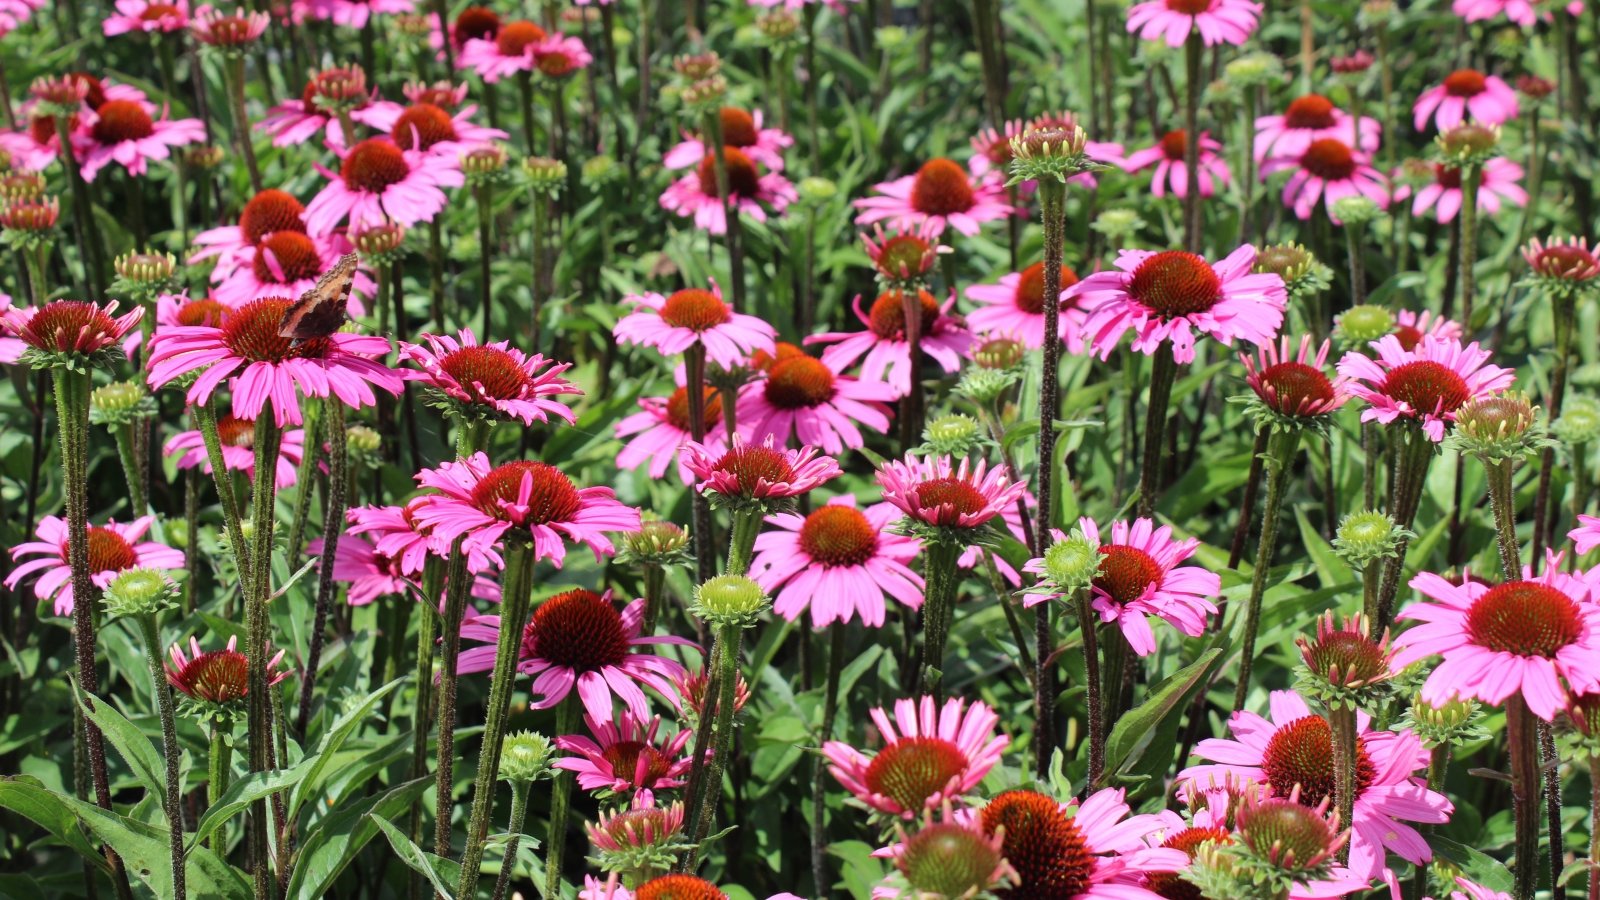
{"points": [[1049, 154], [600, 169], [1118, 224], [730, 600], [986, 386], [1361, 325], [525, 756], [545, 175], [999, 353], [1254, 70], [1504, 426], [952, 435], [814, 190], [120, 402], [1356, 210], [1072, 564], [1470, 144], [136, 592], [1579, 422], [1367, 537]]}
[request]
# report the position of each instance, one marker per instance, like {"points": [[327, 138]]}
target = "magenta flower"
{"points": [[1569, 261], [1218, 21], [217, 676], [1428, 383], [676, 323], [936, 491], [838, 561], [1089, 851], [482, 502], [36, 145], [267, 366], [113, 548], [494, 378], [267, 213], [238, 453], [1411, 327], [929, 755], [1014, 308], [813, 401], [657, 433], [1587, 535], [743, 131], [1329, 170], [287, 264], [1172, 171], [372, 575], [377, 180], [1522, 637], [577, 639], [396, 534], [1009, 521], [561, 55], [1498, 184], [146, 16], [942, 194], [13, 13], [228, 29], [1168, 296], [758, 471], [122, 131], [70, 326], [883, 349], [1140, 578], [433, 128], [1210, 822], [1308, 119], [356, 13], [299, 119], [1465, 92], [1294, 385], [626, 755], [1293, 748], [513, 48], [1521, 12], [750, 191]]}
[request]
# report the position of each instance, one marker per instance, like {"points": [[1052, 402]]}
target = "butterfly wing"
{"points": [[321, 311]]}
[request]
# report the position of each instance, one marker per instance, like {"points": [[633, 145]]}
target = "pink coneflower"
{"points": [[750, 191], [444, 94], [626, 755], [13, 13], [1071, 851], [429, 126], [1294, 385], [494, 378], [577, 639], [1295, 747], [372, 575], [814, 401], [217, 676], [690, 316], [299, 119], [1487, 99], [838, 561], [992, 148], [35, 145], [1310, 118], [1522, 637], [939, 492], [228, 30], [1014, 308], [758, 471], [745, 132], [657, 433], [1567, 260], [1428, 383], [146, 16], [238, 453], [1172, 172], [356, 13], [930, 755], [1169, 296], [483, 502], [1009, 521], [1140, 577], [287, 264], [1328, 170], [70, 326], [377, 180], [903, 256], [1411, 327], [1218, 21], [113, 548], [1499, 183], [1521, 12], [560, 55], [122, 131], [1211, 824], [264, 215], [396, 534], [509, 49], [883, 349], [471, 23], [942, 194], [267, 366]]}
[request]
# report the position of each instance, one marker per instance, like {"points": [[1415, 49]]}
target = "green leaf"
{"points": [[31, 800], [241, 794], [1474, 864], [1331, 570], [340, 837], [426, 864], [1141, 729], [337, 734], [141, 755]]}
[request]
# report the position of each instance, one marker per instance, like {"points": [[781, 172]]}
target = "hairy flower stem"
{"points": [[515, 600], [124, 435], [729, 637], [733, 235], [305, 476], [333, 525], [172, 803], [1551, 763], [1594, 833], [1358, 272], [1163, 372], [1191, 143], [1563, 310], [694, 363], [220, 756], [1053, 212], [568, 713], [519, 816], [263, 519], [819, 768], [1471, 176], [205, 421], [1247, 504], [939, 570], [1342, 723], [694, 791], [1413, 452], [1502, 501], [809, 18], [483, 195], [1088, 623], [1281, 447], [90, 243], [1522, 740], [241, 119], [742, 540], [536, 252]]}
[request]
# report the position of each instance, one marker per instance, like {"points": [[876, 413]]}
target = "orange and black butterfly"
{"points": [[321, 311]]}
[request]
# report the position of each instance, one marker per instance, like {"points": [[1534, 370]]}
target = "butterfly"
{"points": [[321, 311]]}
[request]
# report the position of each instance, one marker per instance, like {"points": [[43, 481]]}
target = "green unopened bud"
{"points": [[814, 189], [986, 386], [364, 444], [483, 162], [705, 94], [1118, 224], [1376, 12], [203, 156], [656, 543], [121, 402], [1290, 261], [730, 600], [1356, 210], [146, 268], [778, 26], [1072, 564], [137, 592], [1254, 70], [1446, 723], [1468, 145], [1504, 426], [1049, 154], [891, 37], [525, 756], [1367, 537], [952, 435], [544, 174], [1579, 422], [600, 169], [1000, 353], [1361, 325]]}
